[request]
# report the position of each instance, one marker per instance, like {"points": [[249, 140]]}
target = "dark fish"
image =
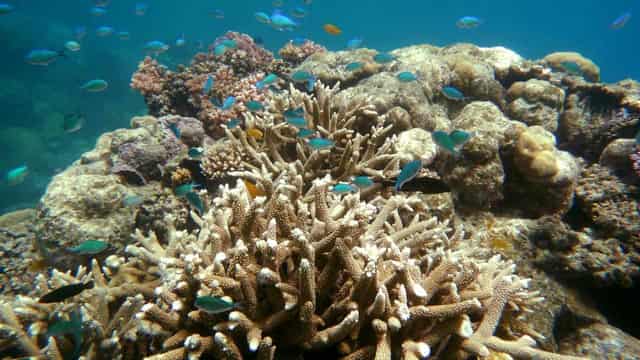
{"points": [[65, 292], [72, 123], [425, 185]]}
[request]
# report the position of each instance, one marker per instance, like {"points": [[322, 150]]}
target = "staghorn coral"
{"points": [[364, 279], [296, 54]]}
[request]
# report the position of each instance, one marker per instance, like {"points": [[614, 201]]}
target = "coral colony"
{"points": [[294, 220]]}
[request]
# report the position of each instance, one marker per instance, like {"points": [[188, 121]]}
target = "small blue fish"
{"points": [[301, 76], [621, 21], [218, 14], [180, 41], [123, 35], [43, 56], [443, 140], [230, 43], [72, 45], [195, 152], [156, 47], [5, 8], [320, 143], [254, 106], [184, 189], [208, 84], [233, 123], [79, 32], [572, 68], [195, 201], [95, 85], [343, 188], [175, 130], [298, 41], [104, 31], [298, 12], [383, 58], [132, 200], [452, 93], [90, 247], [468, 22], [354, 43], [354, 66], [459, 137], [267, 80], [362, 181], [219, 50], [17, 175], [97, 11], [298, 122], [406, 76], [213, 304], [297, 112], [228, 103], [141, 9], [281, 22], [409, 171], [304, 133], [262, 17]]}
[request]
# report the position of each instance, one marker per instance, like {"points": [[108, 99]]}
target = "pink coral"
{"points": [[150, 77], [247, 57], [295, 55], [635, 159]]}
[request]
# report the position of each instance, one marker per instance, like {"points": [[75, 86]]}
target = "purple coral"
{"points": [[635, 160]]}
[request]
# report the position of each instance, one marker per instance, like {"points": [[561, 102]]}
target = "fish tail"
{"points": [[89, 284]]}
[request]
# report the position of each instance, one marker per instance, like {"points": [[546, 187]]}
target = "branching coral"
{"points": [[310, 271]]}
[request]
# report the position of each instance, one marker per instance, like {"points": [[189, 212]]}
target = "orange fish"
{"points": [[252, 189], [255, 133], [332, 29]]}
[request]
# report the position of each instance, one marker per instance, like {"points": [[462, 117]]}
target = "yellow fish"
{"points": [[252, 189], [255, 133]]}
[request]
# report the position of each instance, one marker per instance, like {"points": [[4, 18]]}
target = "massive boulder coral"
{"points": [[540, 173], [535, 102]]}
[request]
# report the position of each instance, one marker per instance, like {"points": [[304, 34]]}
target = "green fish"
{"points": [[343, 188], [72, 123], [571, 67], [95, 85], [132, 200], [195, 201], [90, 247], [195, 152], [406, 76], [64, 292], [254, 105], [354, 66], [72, 327], [362, 181], [443, 140], [320, 143], [304, 133], [17, 175], [409, 171], [184, 189], [459, 137], [214, 304]]}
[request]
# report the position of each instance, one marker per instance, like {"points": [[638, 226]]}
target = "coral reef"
{"points": [[306, 269], [295, 54]]}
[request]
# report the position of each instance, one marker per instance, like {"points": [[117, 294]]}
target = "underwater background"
{"points": [[35, 99]]}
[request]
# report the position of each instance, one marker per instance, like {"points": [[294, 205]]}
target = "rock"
{"points": [[616, 155], [590, 70], [16, 238], [417, 144], [601, 341], [535, 102], [85, 201], [477, 176]]}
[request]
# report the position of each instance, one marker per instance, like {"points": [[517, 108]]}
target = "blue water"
{"points": [[34, 98]]}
